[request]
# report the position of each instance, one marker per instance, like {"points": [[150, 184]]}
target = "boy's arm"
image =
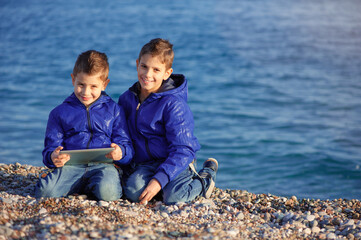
{"points": [[53, 138], [120, 136], [182, 144]]}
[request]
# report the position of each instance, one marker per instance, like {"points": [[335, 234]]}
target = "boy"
{"points": [[161, 126], [86, 119]]}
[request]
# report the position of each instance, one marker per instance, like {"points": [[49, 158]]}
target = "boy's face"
{"points": [[88, 88], [151, 73]]}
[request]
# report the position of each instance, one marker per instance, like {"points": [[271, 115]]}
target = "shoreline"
{"points": [[228, 214]]}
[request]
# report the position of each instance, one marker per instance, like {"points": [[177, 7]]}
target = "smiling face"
{"points": [[151, 73], [88, 88]]}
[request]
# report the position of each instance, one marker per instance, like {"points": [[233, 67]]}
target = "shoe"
{"points": [[212, 164]]}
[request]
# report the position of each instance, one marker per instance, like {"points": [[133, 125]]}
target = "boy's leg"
{"points": [[188, 184], [208, 175], [138, 181], [103, 182], [184, 188], [60, 183]]}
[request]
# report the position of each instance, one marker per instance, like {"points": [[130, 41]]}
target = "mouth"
{"points": [[147, 81], [85, 98]]}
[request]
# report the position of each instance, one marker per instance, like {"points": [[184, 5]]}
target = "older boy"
{"points": [[88, 118], [161, 126]]}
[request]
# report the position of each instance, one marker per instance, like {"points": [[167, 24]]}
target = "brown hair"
{"points": [[92, 62], [161, 48]]}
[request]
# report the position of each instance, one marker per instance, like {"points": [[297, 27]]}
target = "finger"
{"points": [[115, 146], [143, 195], [145, 202], [110, 155], [144, 199], [58, 149]]}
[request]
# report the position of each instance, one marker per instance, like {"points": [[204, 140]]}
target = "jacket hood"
{"points": [[176, 84]]}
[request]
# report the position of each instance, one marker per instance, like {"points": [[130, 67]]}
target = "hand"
{"points": [[116, 154], [59, 159], [150, 191]]}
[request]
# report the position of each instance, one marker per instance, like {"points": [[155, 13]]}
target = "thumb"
{"points": [[58, 149], [113, 145]]}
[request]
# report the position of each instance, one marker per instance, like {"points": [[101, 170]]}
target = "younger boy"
{"points": [[88, 118], [161, 126]]}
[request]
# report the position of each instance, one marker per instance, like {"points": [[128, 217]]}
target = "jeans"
{"points": [[183, 188], [101, 181]]}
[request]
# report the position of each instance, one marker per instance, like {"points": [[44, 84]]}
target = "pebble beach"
{"points": [[228, 214]]}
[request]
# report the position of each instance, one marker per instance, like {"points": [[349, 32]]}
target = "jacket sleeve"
{"points": [[123, 103], [53, 138], [182, 144], [120, 136]]}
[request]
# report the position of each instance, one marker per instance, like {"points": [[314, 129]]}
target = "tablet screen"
{"points": [[85, 156]]}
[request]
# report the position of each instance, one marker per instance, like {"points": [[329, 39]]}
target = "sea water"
{"points": [[274, 86]]}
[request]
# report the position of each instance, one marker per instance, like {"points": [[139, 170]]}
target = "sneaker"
{"points": [[212, 164]]}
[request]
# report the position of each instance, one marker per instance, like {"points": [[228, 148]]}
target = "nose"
{"points": [[148, 73], [86, 91]]}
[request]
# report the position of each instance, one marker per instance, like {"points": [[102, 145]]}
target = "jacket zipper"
{"points": [[90, 127], [136, 126]]}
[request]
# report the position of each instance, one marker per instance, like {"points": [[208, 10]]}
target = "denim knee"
{"points": [[184, 188], [109, 191], [170, 199], [47, 187], [41, 191], [131, 195], [104, 182], [134, 187]]}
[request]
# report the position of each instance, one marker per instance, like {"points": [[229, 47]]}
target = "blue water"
{"points": [[275, 86]]}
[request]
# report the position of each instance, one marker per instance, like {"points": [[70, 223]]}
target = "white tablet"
{"points": [[85, 156]]}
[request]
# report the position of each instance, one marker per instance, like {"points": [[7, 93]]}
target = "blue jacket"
{"points": [[162, 127], [74, 126]]}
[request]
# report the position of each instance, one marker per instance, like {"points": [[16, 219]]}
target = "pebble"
{"points": [[331, 236], [288, 217], [43, 211], [307, 231], [240, 215], [310, 218], [164, 214], [357, 235], [232, 233], [103, 204], [228, 214], [31, 202], [349, 223], [316, 230]]}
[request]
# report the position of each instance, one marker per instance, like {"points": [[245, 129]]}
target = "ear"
{"points": [[72, 78], [105, 84], [137, 61], [168, 73]]}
